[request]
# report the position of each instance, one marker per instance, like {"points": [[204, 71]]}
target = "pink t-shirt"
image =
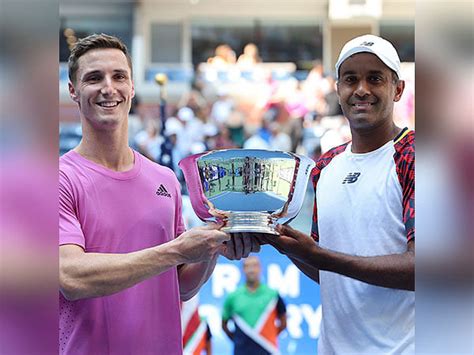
{"points": [[119, 212]]}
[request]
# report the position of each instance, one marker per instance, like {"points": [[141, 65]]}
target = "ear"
{"points": [[399, 90], [133, 90], [72, 92]]}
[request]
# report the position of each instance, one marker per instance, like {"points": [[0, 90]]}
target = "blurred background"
{"points": [[240, 73], [286, 88]]}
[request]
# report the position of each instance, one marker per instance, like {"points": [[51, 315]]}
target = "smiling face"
{"points": [[367, 90], [103, 88]]}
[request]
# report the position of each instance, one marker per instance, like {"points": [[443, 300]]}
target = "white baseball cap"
{"points": [[382, 48], [186, 114], [173, 126]]}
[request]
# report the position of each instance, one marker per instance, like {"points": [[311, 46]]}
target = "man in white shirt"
{"points": [[362, 250]]}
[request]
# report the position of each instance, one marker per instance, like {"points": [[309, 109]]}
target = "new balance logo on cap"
{"points": [[351, 178], [366, 43], [161, 191]]}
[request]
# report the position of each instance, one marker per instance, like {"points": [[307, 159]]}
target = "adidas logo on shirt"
{"points": [[161, 191]]}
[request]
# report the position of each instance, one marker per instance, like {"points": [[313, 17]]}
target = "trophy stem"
{"points": [[249, 222]]}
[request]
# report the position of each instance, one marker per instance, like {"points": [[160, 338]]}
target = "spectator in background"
{"points": [[249, 57], [149, 140], [222, 107], [136, 121], [335, 133], [223, 56], [193, 99], [315, 79], [255, 140], [315, 87], [190, 132], [297, 106], [279, 140], [251, 305], [223, 139], [235, 125], [333, 108]]}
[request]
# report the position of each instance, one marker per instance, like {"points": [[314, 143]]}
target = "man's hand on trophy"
{"points": [[201, 243], [240, 246], [290, 242]]}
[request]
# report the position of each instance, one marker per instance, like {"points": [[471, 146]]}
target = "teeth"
{"points": [[108, 104]]}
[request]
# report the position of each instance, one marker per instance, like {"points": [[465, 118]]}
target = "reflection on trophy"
{"points": [[250, 190]]}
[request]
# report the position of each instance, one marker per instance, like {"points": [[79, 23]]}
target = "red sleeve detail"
{"points": [[405, 163], [322, 162]]}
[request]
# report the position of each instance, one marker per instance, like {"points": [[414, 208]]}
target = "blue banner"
{"points": [[301, 296], [300, 293]]}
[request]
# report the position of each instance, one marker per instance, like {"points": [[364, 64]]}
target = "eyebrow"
{"points": [[86, 74], [93, 72]]}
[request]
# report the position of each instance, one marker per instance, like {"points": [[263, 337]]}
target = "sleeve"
{"points": [[227, 310], [179, 226], [405, 162], [315, 174], [322, 162], [281, 307], [70, 231]]}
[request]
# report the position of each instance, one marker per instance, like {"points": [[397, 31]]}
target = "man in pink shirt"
{"points": [[125, 258]]}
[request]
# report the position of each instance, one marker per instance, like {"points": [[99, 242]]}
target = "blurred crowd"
{"points": [[261, 111], [301, 116]]}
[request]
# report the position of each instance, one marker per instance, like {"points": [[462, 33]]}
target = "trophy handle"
{"points": [[302, 174], [196, 193], [282, 212]]}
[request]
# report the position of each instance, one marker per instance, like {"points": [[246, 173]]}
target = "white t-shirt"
{"points": [[365, 207]]}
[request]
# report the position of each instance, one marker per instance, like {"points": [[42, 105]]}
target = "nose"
{"points": [[362, 89], [108, 88]]}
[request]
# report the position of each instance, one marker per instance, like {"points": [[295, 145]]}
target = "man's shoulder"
{"points": [[327, 157], [66, 158], [237, 292], [270, 292], [405, 148], [268, 289], [406, 142], [68, 163], [152, 165]]}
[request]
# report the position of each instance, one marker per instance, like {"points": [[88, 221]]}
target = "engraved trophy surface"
{"points": [[250, 190]]}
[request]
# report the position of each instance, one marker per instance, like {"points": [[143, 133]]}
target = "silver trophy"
{"points": [[250, 190]]}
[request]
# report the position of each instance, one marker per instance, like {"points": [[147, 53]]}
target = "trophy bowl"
{"points": [[250, 190]]}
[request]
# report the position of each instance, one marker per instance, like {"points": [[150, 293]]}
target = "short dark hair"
{"points": [[95, 41]]}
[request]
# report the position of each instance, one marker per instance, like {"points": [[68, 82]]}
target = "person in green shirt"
{"points": [[258, 313]]}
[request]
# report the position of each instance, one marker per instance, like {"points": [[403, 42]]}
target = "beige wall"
{"points": [[233, 11], [182, 12], [341, 34]]}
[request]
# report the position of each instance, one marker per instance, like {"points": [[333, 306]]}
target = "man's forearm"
{"points": [[307, 269], [85, 275], [193, 276], [395, 271]]}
